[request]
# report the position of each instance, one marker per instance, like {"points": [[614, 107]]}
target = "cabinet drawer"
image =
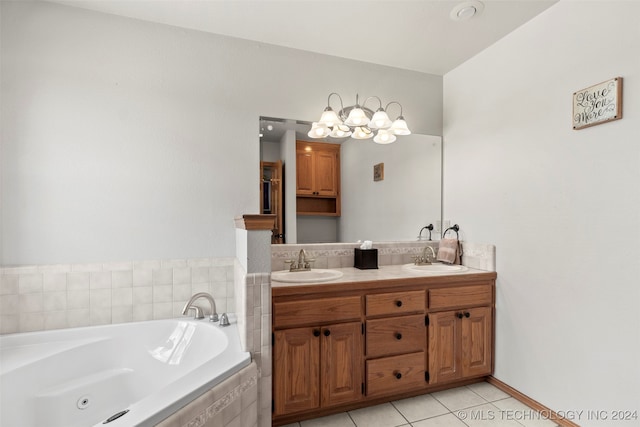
{"points": [[395, 335], [395, 374], [316, 311], [460, 297], [395, 303]]}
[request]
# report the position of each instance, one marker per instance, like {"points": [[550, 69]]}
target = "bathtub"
{"points": [[132, 373]]}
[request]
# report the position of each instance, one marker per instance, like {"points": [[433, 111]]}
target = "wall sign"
{"points": [[598, 104], [378, 172]]}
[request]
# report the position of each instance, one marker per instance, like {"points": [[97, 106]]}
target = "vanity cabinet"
{"points": [[460, 340], [317, 366], [344, 346], [317, 178]]}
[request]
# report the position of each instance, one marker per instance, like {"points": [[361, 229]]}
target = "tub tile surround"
{"points": [[43, 297], [340, 255], [232, 404]]}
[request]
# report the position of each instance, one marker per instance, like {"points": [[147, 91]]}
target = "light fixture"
{"points": [[359, 122], [466, 10]]}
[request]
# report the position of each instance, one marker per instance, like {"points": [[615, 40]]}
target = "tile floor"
{"points": [[476, 405]]}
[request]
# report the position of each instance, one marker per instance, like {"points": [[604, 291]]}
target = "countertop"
{"points": [[386, 275]]}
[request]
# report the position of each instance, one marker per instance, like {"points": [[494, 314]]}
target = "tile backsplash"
{"points": [[43, 297], [340, 255]]}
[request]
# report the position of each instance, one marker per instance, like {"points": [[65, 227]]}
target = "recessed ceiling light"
{"points": [[466, 10]]}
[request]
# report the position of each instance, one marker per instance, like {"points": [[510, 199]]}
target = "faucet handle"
{"points": [[213, 317], [224, 320]]}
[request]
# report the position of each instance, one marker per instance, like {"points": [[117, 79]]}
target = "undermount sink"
{"points": [[309, 276], [436, 268]]}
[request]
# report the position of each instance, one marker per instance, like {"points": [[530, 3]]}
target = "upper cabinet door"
{"points": [[326, 173], [304, 173]]}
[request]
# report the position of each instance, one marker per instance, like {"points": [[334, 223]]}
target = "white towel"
{"points": [[449, 251]]}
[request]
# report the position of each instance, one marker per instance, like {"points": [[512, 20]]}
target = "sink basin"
{"points": [[311, 276], [436, 268]]}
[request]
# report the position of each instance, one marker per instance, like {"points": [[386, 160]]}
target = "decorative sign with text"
{"points": [[598, 104]]}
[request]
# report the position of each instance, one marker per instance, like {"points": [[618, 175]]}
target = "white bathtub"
{"points": [[82, 376]]}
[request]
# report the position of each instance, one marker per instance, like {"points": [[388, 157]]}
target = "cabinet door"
{"points": [[304, 173], [326, 173], [296, 370], [341, 357], [444, 347], [476, 341]]}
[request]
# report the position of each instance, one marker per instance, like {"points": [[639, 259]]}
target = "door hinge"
{"points": [[426, 376], [362, 328], [273, 339], [362, 388], [273, 406], [426, 320]]}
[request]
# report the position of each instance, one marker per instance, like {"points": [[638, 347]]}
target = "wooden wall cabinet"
{"points": [[344, 346], [317, 178]]}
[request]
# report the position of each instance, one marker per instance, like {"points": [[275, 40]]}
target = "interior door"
{"points": [[271, 201]]}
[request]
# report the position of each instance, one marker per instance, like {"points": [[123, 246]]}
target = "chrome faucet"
{"points": [[213, 317], [424, 258], [302, 264]]}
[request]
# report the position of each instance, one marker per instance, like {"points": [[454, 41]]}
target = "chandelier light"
{"points": [[359, 122]]}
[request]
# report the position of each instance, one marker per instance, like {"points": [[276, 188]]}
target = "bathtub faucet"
{"points": [[213, 317]]}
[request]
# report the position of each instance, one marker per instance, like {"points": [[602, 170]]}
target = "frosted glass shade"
{"points": [[319, 130], [399, 127], [384, 137], [380, 120], [357, 117], [330, 118], [340, 131], [362, 133]]}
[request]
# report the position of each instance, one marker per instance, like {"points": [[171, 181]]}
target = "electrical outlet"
{"points": [[446, 224], [438, 227]]}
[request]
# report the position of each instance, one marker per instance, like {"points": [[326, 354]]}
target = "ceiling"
{"points": [[416, 35]]}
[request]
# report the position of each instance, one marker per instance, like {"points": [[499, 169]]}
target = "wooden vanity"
{"points": [[376, 337]]}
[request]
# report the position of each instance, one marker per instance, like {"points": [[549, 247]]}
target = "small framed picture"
{"points": [[378, 172], [598, 104]]}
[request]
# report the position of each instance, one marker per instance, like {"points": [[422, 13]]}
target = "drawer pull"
{"points": [[459, 315], [398, 375], [399, 303], [316, 332], [398, 336], [467, 314], [327, 332]]}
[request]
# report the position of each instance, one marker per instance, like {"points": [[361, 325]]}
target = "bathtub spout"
{"points": [[213, 317]]}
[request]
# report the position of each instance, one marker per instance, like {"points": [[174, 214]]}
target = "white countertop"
{"points": [[385, 272]]}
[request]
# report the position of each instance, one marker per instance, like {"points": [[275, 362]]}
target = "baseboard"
{"points": [[531, 403]]}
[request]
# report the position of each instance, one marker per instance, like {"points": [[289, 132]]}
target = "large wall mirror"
{"points": [[392, 207]]}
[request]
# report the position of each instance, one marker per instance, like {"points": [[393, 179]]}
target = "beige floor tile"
{"points": [[514, 409], [336, 420], [448, 420], [384, 415], [489, 392], [420, 407], [485, 415], [458, 398]]}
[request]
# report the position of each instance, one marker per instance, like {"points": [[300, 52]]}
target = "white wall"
{"points": [[126, 140], [407, 199], [562, 206]]}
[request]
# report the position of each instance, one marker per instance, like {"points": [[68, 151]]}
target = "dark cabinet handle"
{"points": [[398, 336], [467, 314], [399, 303], [327, 332], [398, 375], [316, 332], [459, 315]]}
